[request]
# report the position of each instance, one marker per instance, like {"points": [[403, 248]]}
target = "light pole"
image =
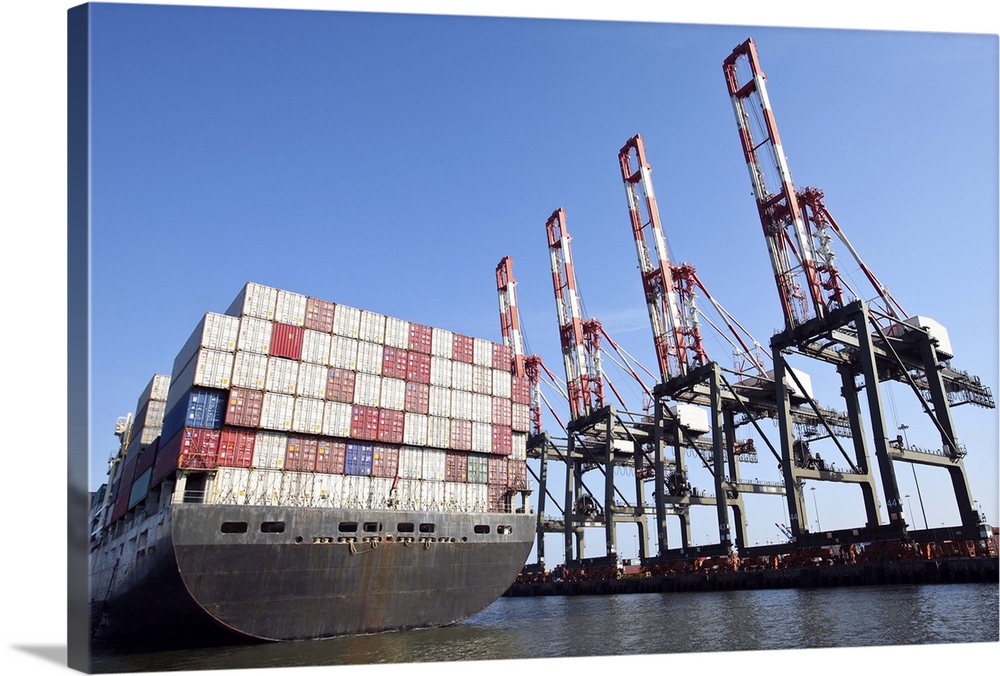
{"points": [[816, 505], [909, 510], [913, 468]]}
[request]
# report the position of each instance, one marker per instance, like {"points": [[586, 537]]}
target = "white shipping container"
{"points": [[476, 498], [482, 379], [438, 431], [520, 417], [276, 411], [393, 394], [442, 343], [337, 419], [415, 429], [215, 332], [519, 445], [229, 486], [411, 462], [307, 416], [355, 492], [397, 333], [501, 383], [454, 496], [282, 375], [440, 371], [407, 496], [269, 449], [434, 465], [249, 370], [267, 487], [370, 357], [432, 495], [208, 368], [461, 405], [367, 389], [254, 300], [255, 335], [482, 352], [297, 487], [158, 388], [290, 308], [316, 347], [381, 490], [343, 353], [461, 376], [439, 401], [482, 437], [346, 321], [311, 381], [149, 434], [326, 491], [372, 327], [482, 408]]}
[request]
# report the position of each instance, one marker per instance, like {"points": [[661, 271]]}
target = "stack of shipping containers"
{"points": [[134, 479], [287, 399]]}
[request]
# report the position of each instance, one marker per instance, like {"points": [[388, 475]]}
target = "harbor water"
{"points": [[628, 625]]}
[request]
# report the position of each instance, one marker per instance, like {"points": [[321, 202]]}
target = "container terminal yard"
{"points": [[701, 412]]}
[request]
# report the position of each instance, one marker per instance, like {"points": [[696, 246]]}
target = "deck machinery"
{"points": [[867, 342]]}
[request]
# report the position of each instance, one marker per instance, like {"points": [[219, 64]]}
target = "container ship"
{"points": [[308, 470]]}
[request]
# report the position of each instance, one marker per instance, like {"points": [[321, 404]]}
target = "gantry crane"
{"points": [[598, 436], [688, 375], [540, 445], [867, 342]]}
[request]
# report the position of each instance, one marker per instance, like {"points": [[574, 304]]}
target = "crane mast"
{"points": [[583, 379], [669, 300], [792, 253], [526, 366]]}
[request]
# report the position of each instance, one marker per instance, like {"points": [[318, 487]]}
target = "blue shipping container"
{"points": [[197, 408], [358, 459]]}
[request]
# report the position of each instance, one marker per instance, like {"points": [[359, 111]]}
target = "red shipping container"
{"points": [[244, 407], [166, 459], [497, 498], [364, 423], [501, 411], [502, 356], [300, 453], [420, 338], [418, 398], [496, 471], [286, 341], [319, 315], [520, 390], [340, 385], [418, 368], [124, 490], [395, 363], [236, 447], [502, 444], [199, 448], [517, 475], [385, 461], [390, 426], [463, 348], [456, 466], [144, 459], [330, 456], [461, 435]]}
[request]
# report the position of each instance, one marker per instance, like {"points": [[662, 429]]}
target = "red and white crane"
{"points": [[579, 339], [522, 366], [671, 290]]}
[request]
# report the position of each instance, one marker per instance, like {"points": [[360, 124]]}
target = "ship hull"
{"points": [[292, 573]]}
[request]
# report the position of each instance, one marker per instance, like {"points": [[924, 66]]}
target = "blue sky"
{"points": [[389, 161], [440, 151]]}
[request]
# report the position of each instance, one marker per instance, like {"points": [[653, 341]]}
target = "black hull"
{"points": [[309, 580]]}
